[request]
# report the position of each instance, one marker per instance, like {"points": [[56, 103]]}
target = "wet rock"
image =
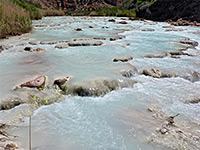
{"points": [[189, 42], [90, 27], [96, 87], [29, 49], [10, 104], [148, 30], [62, 46], [78, 29], [123, 59], [2, 48], [111, 20], [157, 73], [96, 43], [48, 42], [10, 146], [40, 50], [123, 22], [104, 27], [129, 73], [157, 55], [132, 18], [117, 38], [38, 83], [193, 77], [176, 57], [178, 52], [82, 39], [33, 43], [61, 82], [99, 38]]}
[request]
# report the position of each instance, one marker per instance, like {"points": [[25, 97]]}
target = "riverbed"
{"points": [[115, 120]]}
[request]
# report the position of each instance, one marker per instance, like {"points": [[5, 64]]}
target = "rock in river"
{"points": [[38, 83], [157, 73], [123, 59], [83, 43]]}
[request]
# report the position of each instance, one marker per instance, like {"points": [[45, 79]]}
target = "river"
{"points": [[113, 121]]}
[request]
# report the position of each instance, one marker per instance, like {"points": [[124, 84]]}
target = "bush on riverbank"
{"points": [[114, 11], [13, 19]]}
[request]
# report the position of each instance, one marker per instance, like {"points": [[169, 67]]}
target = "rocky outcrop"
{"points": [[77, 4], [162, 10], [96, 87], [123, 59], [38, 83], [157, 73]]}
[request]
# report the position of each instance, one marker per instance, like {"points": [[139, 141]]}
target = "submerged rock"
{"points": [[61, 46], [157, 55], [96, 87], [38, 83], [123, 59], [193, 77]]}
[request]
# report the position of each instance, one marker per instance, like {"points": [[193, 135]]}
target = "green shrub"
{"points": [[13, 20]]}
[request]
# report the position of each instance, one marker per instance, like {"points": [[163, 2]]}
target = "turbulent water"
{"points": [[99, 122]]}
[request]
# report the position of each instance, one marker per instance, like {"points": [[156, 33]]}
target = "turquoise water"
{"points": [[111, 122]]}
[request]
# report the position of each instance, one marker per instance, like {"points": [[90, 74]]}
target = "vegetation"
{"points": [[114, 11], [16, 16], [13, 19]]}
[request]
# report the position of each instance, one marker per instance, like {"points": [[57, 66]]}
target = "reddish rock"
{"points": [[123, 22], [40, 50], [39, 82], [111, 20], [90, 26]]}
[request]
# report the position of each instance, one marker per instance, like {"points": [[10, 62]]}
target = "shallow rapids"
{"points": [[113, 121]]}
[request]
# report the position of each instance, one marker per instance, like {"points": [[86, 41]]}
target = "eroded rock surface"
{"points": [[38, 83]]}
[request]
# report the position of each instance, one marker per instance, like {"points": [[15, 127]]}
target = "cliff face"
{"points": [[74, 4], [162, 10]]}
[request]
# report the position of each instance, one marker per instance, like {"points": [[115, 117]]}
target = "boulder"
{"points": [[38, 83], [61, 82], [90, 27], [48, 42], [61, 46], [117, 38], [194, 76], [157, 73], [96, 87], [123, 59], [2, 48], [189, 42], [40, 50], [83, 43], [111, 20], [33, 43], [99, 38], [156, 55], [78, 29], [123, 22], [29, 49]]}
